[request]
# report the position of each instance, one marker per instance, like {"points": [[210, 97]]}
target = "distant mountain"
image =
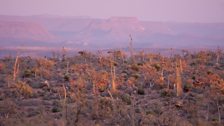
{"points": [[113, 32], [12, 32], [86, 32], [24, 31]]}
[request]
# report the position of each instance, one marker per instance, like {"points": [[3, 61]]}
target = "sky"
{"points": [[210, 11]]}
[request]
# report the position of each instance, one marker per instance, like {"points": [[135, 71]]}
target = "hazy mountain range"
{"points": [[86, 32]]}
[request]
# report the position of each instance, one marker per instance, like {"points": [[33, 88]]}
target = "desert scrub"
{"points": [[126, 98], [44, 68], [57, 107], [28, 73], [66, 77], [45, 63], [24, 89], [157, 66], [100, 80], [134, 67], [105, 107]]}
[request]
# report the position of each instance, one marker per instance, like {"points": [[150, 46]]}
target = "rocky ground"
{"points": [[113, 89]]}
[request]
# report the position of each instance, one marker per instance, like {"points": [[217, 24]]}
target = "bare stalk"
{"points": [[16, 68], [219, 113], [100, 56], [67, 68], [111, 96], [179, 88], [94, 88], [219, 51], [162, 75], [168, 82], [217, 59], [131, 48], [64, 53], [113, 101], [65, 101], [123, 57], [133, 112], [181, 66], [113, 77], [207, 117]]}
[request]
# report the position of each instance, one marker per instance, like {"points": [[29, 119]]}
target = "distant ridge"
{"points": [[86, 32]]}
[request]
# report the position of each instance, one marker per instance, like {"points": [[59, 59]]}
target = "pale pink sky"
{"points": [[154, 10]]}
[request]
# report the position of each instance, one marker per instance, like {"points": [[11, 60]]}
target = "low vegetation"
{"points": [[113, 89]]}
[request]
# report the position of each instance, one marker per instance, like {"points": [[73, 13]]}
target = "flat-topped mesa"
{"points": [[24, 30]]}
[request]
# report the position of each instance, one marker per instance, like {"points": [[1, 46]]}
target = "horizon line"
{"points": [[105, 18]]}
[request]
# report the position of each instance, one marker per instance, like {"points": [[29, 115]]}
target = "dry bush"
{"points": [[80, 83], [100, 80], [24, 89], [43, 68], [45, 63], [131, 81], [80, 68], [152, 74], [105, 107], [118, 55], [105, 62], [80, 72]]}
